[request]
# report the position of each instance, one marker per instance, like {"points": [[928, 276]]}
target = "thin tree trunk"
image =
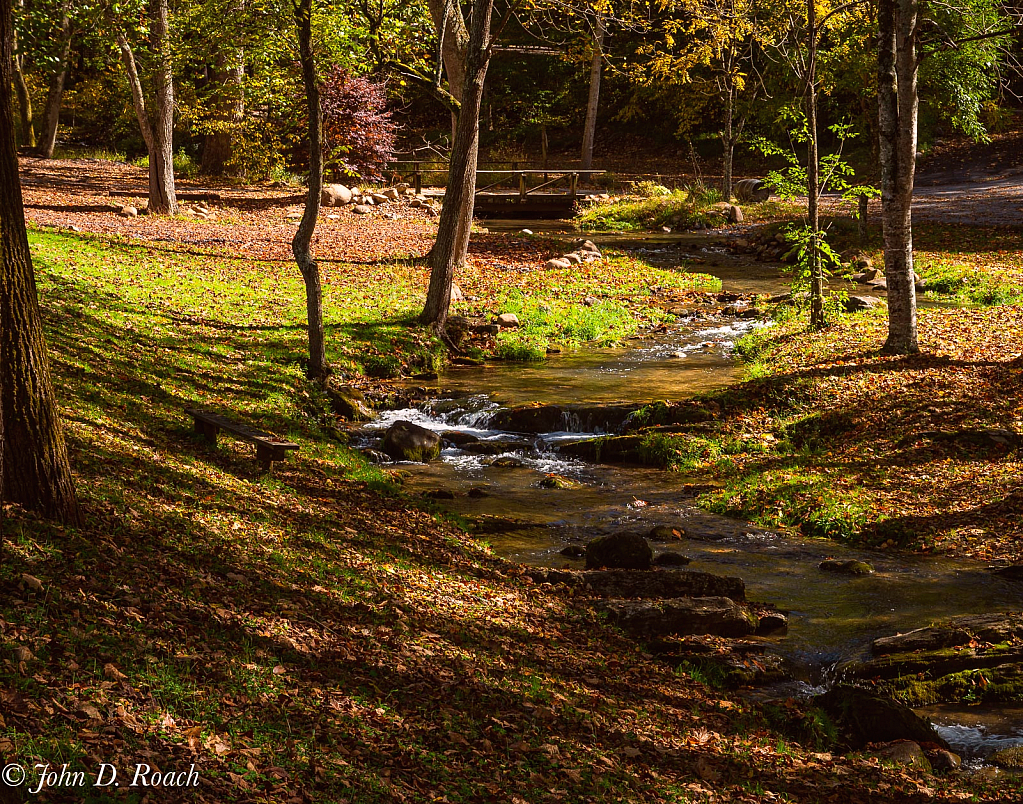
{"points": [[593, 102], [897, 116], [728, 143], [36, 472], [218, 146], [55, 92], [162, 198], [813, 177], [450, 26], [138, 98], [318, 367], [448, 253], [28, 132]]}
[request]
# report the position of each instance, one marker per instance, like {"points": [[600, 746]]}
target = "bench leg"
{"points": [[265, 456], [207, 430]]}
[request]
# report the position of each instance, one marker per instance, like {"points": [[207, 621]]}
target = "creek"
{"points": [[832, 618]]}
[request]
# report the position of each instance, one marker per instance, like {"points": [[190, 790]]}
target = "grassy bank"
{"points": [[833, 440], [652, 208], [312, 635]]}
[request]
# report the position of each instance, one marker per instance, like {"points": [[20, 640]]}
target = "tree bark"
{"points": [[319, 369], [162, 198], [36, 472], [55, 91], [812, 176], [728, 142], [897, 123], [448, 253], [28, 132], [454, 35], [593, 101], [218, 146]]}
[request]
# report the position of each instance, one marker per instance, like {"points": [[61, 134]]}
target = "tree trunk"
{"points": [[28, 132], [897, 118], [138, 98], [592, 103], [318, 366], [450, 25], [36, 472], [162, 198], [218, 146], [448, 253], [728, 143], [813, 177], [55, 92]]}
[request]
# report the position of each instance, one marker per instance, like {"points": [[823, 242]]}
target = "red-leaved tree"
{"points": [[358, 132]]}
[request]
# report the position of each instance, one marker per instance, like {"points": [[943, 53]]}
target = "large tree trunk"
{"points": [[813, 176], [318, 366], [593, 102], [897, 118], [36, 473], [55, 92], [448, 253], [28, 132], [162, 198]]}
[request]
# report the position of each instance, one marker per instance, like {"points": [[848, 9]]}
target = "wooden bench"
{"points": [[268, 448]]}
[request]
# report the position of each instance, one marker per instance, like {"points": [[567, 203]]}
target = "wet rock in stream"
{"points": [[720, 616], [643, 583], [866, 717], [580, 418], [405, 441], [619, 550], [967, 659]]}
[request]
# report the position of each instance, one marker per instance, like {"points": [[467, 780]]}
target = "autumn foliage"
{"points": [[358, 133]]}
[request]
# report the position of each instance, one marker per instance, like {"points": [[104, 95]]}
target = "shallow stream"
{"points": [[831, 617]]}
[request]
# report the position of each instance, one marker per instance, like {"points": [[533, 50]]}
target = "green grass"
{"points": [[967, 284], [549, 322]]}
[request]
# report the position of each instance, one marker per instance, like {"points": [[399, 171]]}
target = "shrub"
{"points": [[358, 133]]}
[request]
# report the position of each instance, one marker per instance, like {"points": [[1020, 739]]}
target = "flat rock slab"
{"points": [[639, 584], [719, 616]]}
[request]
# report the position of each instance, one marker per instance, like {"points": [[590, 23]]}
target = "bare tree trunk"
{"points": [[318, 366], [448, 253], [55, 91], [593, 102], [162, 198], [138, 98], [28, 132], [450, 25], [897, 115], [36, 472], [813, 177], [728, 144], [218, 147]]}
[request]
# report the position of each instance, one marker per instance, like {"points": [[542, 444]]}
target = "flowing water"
{"points": [[831, 617]]}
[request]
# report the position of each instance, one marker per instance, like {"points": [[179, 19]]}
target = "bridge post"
{"points": [[417, 178]]}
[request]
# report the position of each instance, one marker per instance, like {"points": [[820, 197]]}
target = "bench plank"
{"points": [[269, 448]]}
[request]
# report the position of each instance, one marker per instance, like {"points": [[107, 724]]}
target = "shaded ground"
{"points": [[313, 636]]}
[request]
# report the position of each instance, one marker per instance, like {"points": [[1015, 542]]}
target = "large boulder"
{"points": [[405, 441], [619, 551], [720, 616], [335, 195], [349, 403], [866, 717]]}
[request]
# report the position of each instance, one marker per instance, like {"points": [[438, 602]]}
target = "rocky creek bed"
{"points": [[551, 483]]}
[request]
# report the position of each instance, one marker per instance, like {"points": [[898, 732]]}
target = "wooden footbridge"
{"points": [[534, 192]]}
